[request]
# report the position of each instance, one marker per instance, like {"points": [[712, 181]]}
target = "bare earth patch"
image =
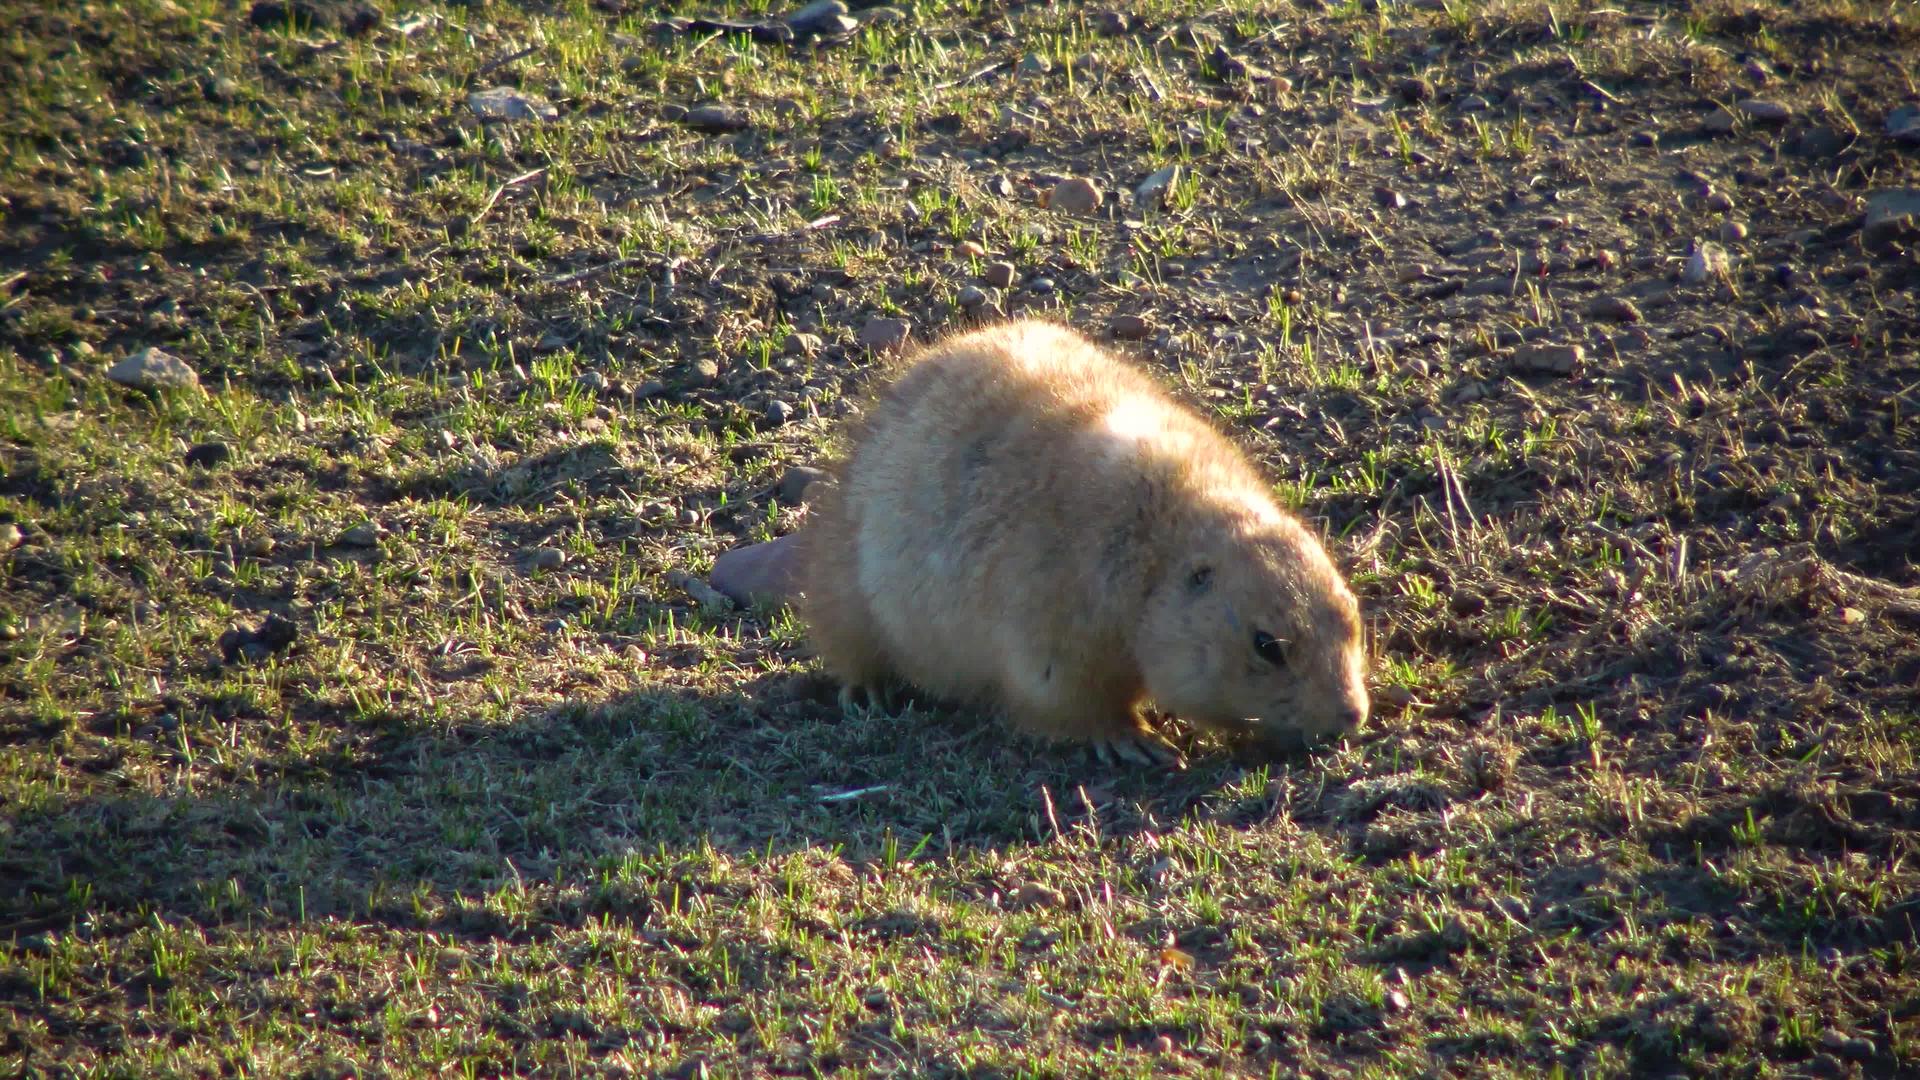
{"points": [[356, 717]]}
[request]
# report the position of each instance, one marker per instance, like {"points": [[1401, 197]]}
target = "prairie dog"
{"points": [[1026, 521]]}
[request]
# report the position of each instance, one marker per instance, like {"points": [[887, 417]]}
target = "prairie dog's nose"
{"points": [[1353, 711]]}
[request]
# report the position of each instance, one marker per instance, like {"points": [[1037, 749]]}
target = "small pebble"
{"points": [[883, 334], [778, 412], [1131, 327], [208, 454], [592, 382], [1763, 111], [1042, 285], [971, 297], [1389, 199], [549, 558], [1614, 308], [10, 536], [1548, 359], [792, 489], [365, 534], [1000, 275], [804, 344], [1718, 202], [1034, 894], [1733, 232], [1075, 195]]}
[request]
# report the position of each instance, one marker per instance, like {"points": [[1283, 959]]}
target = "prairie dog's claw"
{"points": [[1142, 748], [876, 697]]}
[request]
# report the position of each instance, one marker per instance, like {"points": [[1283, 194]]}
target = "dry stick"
{"points": [[500, 62], [972, 76], [502, 190]]}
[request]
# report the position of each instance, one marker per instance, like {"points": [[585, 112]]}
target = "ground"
{"points": [[494, 793]]}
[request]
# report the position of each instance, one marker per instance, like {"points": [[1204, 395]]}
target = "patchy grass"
{"points": [[1640, 796]]}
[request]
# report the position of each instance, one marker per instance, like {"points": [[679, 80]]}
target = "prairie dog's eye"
{"points": [[1269, 648], [1200, 579]]}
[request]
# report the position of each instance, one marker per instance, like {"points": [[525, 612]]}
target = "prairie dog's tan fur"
{"points": [[1025, 521]]}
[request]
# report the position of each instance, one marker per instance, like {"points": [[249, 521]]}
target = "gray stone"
{"points": [[1613, 308], [1154, 189], [1131, 327], [972, 296], [365, 534], [757, 573], [1000, 275], [1764, 111], [804, 344], [1548, 359], [779, 412], [154, 369], [1903, 124], [819, 16], [882, 334], [792, 489], [549, 558], [1893, 215], [716, 118], [506, 103]]}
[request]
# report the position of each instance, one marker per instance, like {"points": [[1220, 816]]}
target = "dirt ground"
{"points": [[355, 718]]}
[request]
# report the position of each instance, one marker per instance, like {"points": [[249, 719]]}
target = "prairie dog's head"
{"points": [[1253, 631]]}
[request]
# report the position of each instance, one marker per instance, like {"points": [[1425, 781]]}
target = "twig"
{"points": [[577, 276], [972, 76], [502, 190], [500, 62]]}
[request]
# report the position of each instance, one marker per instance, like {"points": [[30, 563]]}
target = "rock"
{"points": [[882, 334], [208, 454], [273, 635], [1414, 90], [1820, 141], [1230, 68], [1154, 189], [1763, 111], [154, 369], [1718, 202], [1471, 103], [549, 558], [972, 297], [1719, 122], [1705, 261], [220, 90], [365, 534], [1035, 64], [757, 573], [10, 536], [1893, 215], [506, 103], [1035, 895], [306, 16], [1613, 308], [822, 17], [1733, 232], [779, 412], [1903, 124], [1548, 359], [1131, 327], [792, 489], [592, 382], [1388, 199], [1112, 23], [716, 118], [1000, 275], [1042, 285], [804, 344], [1075, 195]]}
